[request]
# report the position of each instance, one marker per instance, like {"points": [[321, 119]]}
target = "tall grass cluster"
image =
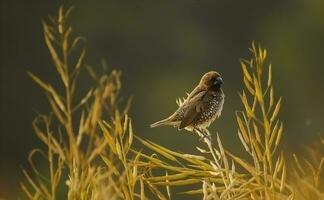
{"points": [[89, 152]]}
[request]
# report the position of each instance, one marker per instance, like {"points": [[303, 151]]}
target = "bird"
{"points": [[201, 107]]}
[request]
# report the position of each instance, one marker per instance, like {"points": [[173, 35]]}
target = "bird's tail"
{"points": [[166, 121]]}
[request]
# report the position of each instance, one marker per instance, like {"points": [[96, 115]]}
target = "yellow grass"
{"points": [[89, 150]]}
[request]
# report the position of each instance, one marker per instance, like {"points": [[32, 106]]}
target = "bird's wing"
{"points": [[194, 107], [195, 92]]}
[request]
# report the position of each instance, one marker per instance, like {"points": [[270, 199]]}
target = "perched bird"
{"points": [[202, 106]]}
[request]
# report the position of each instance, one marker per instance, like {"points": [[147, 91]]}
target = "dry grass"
{"points": [[89, 152], [92, 164], [307, 173], [224, 175]]}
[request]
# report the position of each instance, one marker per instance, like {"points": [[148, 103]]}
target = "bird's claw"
{"points": [[206, 136]]}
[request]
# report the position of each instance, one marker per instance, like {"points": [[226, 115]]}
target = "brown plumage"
{"points": [[202, 106]]}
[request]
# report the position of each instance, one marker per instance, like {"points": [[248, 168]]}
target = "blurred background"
{"points": [[163, 48]]}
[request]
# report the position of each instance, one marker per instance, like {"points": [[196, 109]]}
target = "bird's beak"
{"points": [[218, 81]]}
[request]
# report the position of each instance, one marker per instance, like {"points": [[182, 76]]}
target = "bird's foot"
{"points": [[204, 136]]}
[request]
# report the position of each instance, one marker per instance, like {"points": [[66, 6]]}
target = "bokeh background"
{"points": [[163, 48]]}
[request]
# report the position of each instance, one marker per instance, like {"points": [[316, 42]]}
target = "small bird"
{"points": [[202, 106]]}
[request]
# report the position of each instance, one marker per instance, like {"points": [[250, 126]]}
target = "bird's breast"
{"points": [[212, 110]]}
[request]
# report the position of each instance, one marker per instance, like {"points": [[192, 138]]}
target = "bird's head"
{"points": [[211, 79]]}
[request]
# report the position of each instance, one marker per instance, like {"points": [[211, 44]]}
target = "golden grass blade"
{"points": [[97, 151], [277, 168], [65, 41], [194, 157], [57, 99], [258, 150], [201, 150], [61, 20], [125, 124], [108, 137], [26, 191], [243, 131], [75, 42], [157, 149], [142, 190], [274, 132], [256, 132], [248, 109], [283, 178], [172, 177], [129, 141], [248, 86], [160, 163], [168, 187], [193, 192], [188, 181], [246, 73], [56, 110], [271, 98], [190, 158], [80, 60], [258, 90], [48, 88], [298, 165], [57, 61], [246, 147], [117, 123], [244, 164], [276, 110], [33, 184], [41, 83], [280, 131], [269, 75], [155, 191]]}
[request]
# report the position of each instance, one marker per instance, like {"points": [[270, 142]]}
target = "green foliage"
{"points": [[89, 151]]}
